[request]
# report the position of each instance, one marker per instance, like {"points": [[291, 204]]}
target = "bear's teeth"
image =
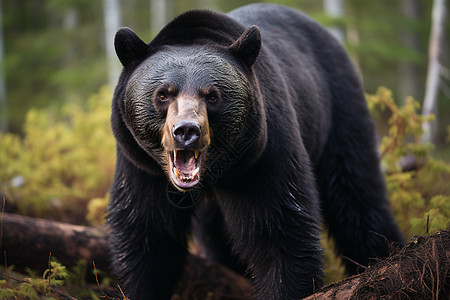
{"points": [[177, 173], [186, 178], [196, 154], [194, 173], [189, 177]]}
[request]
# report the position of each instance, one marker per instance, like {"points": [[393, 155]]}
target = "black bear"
{"points": [[250, 127]]}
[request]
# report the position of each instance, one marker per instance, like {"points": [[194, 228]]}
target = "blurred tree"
{"points": [[161, 12], [53, 54], [335, 9], [409, 85], [380, 49], [55, 50], [3, 104], [111, 13], [434, 69]]}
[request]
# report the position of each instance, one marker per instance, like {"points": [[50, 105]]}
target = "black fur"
{"points": [[292, 143]]}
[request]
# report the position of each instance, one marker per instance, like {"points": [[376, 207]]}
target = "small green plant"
{"points": [[55, 274], [5, 291], [33, 286], [57, 282]]}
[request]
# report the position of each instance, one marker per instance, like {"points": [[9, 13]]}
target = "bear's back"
{"points": [[282, 24], [310, 62]]}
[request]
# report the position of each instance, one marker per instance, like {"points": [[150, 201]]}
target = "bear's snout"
{"points": [[186, 134], [186, 137], [186, 125]]}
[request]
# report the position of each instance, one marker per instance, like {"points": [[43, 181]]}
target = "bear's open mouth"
{"points": [[185, 167]]}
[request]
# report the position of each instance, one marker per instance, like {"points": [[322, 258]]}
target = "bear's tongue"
{"points": [[185, 165], [184, 161]]}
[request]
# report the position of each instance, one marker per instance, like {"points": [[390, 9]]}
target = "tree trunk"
{"points": [[27, 242], [111, 13], [334, 9], [418, 271], [433, 75]]}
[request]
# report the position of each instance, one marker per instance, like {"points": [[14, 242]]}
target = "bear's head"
{"points": [[186, 105]]}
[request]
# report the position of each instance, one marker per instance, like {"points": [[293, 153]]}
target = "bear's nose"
{"points": [[186, 133]]}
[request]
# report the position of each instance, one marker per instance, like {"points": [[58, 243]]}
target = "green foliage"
{"points": [[96, 210], [5, 292], [404, 125], [334, 270], [77, 274], [61, 162], [420, 197], [55, 283], [55, 274], [33, 286]]}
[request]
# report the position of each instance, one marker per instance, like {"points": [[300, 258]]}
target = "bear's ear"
{"points": [[129, 47], [246, 47]]}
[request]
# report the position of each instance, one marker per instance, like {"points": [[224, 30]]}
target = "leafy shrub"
{"points": [[420, 198], [61, 162]]}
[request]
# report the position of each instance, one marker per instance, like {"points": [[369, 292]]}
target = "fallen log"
{"points": [[27, 243], [421, 270]]}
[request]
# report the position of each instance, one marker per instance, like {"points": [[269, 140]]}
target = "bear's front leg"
{"points": [[282, 250], [147, 238], [274, 229], [151, 269], [289, 262]]}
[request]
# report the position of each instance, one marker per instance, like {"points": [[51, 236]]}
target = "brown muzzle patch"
{"points": [[186, 137]]}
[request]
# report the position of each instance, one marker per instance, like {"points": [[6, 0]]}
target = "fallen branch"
{"points": [[27, 242], [421, 270]]}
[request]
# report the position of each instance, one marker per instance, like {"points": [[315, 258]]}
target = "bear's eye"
{"points": [[212, 98], [162, 97]]}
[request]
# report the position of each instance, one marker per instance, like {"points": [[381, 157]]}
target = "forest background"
{"points": [[58, 70]]}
